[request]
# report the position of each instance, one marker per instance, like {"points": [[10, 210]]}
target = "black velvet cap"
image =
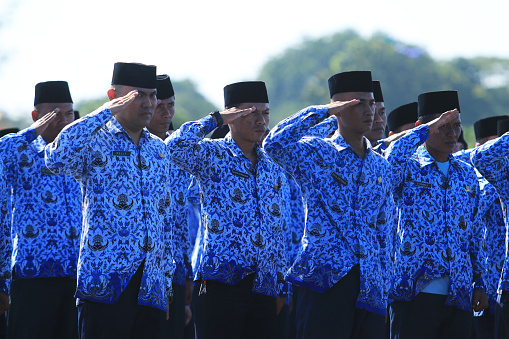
{"points": [[402, 115], [437, 102], [6, 131], [502, 127], [52, 92], [248, 91], [354, 81], [377, 91], [220, 132], [164, 87], [487, 127], [134, 75]]}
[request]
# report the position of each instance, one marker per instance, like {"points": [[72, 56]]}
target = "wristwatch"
{"points": [[218, 117]]}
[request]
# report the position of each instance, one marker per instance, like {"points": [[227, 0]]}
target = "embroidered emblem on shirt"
{"points": [[379, 180], [161, 155], [340, 180], [122, 153], [422, 184]]}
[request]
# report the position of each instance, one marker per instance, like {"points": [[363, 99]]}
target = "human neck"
{"points": [[437, 155], [247, 148], [134, 133], [355, 140]]}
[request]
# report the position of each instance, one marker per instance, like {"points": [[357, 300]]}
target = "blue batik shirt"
{"points": [[127, 199], [345, 201], [439, 229], [296, 220], [45, 210], [494, 238], [179, 216], [241, 208], [492, 161], [5, 235]]}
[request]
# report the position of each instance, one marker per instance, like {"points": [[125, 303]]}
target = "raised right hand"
{"points": [[117, 104], [231, 114]]}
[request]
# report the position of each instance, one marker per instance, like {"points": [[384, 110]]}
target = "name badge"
{"points": [[338, 179], [46, 171], [422, 184], [240, 174], [122, 153]]}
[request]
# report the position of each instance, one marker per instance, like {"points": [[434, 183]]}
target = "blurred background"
{"points": [[293, 46]]}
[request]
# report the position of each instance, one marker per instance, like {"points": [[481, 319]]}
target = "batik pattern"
{"points": [[179, 216], [45, 210], [5, 236], [492, 161], [346, 200], [439, 229], [126, 204], [241, 208], [494, 238]]}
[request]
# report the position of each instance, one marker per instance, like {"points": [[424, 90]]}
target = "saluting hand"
{"points": [[231, 114], [117, 104], [443, 119], [337, 106], [41, 124]]}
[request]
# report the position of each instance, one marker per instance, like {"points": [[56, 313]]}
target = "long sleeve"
{"points": [[402, 149], [282, 143], [187, 147], [65, 155]]}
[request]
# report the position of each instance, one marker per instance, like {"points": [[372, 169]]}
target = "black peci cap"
{"points": [[248, 91], [402, 115], [502, 127], [164, 87], [487, 127], [134, 75], [354, 81], [52, 92], [377, 91], [8, 131], [437, 102]]}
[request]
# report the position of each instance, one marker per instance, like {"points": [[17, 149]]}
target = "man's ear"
{"points": [[111, 94], [35, 115], [418, 123], [391, 133]]}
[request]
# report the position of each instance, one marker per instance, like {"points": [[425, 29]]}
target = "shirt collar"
{"points": [[115, 127], [340, 143], [426, 159], [235, 149]]}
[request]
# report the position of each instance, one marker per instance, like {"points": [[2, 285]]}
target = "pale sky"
{"points": [[214, 43]]}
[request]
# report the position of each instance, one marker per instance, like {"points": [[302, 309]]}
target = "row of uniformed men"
{"points": [[356, 253]]}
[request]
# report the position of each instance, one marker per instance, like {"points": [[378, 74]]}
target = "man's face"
{"points": [[251, 128], [379, 121], [357, 118], [63, 118], [139, 112], [163, 114], [445, 140]]}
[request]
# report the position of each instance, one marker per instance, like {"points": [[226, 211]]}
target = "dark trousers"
{"points": [[332, 314], [292, 334], [123, 319], [283, 323], [174, 326], [233, 311], [502, 316], [427, 317], [484, 326], [43, 308]]}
